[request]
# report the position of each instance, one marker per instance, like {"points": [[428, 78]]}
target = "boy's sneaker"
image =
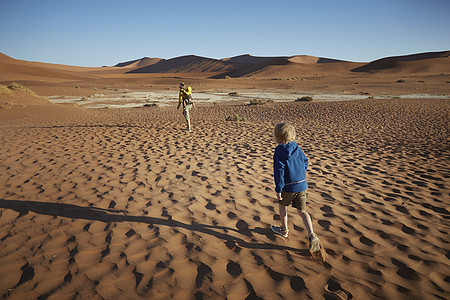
{"points": [[279, 230], [314, 243]]}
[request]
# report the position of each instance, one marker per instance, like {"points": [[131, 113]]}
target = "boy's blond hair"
{"points": [[284, 133]]}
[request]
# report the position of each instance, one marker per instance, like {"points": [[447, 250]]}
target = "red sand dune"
{"points": [[12, 69], [239, 66], [422, 62], [248, 59], [307, 59], [185, 64], [425, 73], [139, 63]]}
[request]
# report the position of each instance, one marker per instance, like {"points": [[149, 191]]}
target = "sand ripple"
{"points": [[124, 203]]}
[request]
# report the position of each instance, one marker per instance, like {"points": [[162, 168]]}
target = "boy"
{"points": [[289, 167]]}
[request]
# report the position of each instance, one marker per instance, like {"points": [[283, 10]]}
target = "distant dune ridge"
{"points": [[238, 66], [428, 60], [244, 65]]}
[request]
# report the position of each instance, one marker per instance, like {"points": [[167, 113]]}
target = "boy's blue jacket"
{"points": [[289, 168]]}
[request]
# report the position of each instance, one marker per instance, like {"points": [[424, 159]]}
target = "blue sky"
{"points": [[99, 32]]}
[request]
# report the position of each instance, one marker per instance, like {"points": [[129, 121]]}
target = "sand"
{"points": [[125, 204]]}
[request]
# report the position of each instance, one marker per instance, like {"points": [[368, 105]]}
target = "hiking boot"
{"points": [[314, 243], [279, 230]]}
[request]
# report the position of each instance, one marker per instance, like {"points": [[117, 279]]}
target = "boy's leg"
{"points": [[299, 202], [314, 242], [306, 220], [283, 229], [283, 216]]}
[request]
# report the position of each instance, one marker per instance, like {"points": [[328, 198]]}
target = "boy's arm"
{"points": [[278, 174]]}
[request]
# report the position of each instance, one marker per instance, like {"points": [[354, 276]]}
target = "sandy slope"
{"points": [[124, 203]]}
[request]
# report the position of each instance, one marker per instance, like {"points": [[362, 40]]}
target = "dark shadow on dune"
{"points": [[113, 215]]}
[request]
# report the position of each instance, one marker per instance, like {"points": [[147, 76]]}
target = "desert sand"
{"points": [[126, 204]]}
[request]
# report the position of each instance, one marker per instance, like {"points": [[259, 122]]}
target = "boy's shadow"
{"points": [[113, 215]]}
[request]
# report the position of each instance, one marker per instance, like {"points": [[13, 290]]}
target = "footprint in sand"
{"points": [[27, 274], [334, 291], [203, 272], [234, 268], [210, 205], [297, 283]]}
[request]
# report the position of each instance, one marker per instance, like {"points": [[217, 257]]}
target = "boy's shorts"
{"points": [[187, 111], [298, 200]]}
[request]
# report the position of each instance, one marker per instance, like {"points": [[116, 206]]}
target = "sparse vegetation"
{"points": [[290, 78], [6, 105], [4, 89], [256, 102], [304, 99], [400, 80], [16, 86], [15, 89], [150, 105], [236, 118], [96, 95], [259, 101]]}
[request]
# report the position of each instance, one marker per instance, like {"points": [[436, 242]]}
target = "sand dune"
{"points": [[422, 62], [12, 69], [5, 58], [248, 59], [312, 70], [185, 64], [238, 66], [307, 59], [248, 65], [138, 63], [125, 204], [285, 68]]}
